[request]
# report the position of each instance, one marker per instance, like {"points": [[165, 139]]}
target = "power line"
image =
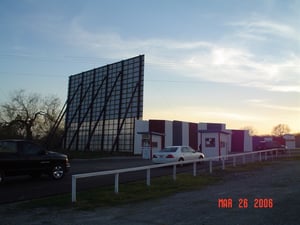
{"points": [[103, 61]]}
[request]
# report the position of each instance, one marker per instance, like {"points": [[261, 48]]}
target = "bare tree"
{"points": [[31, 114], [251, 130], [50, 108], [280, 130]]}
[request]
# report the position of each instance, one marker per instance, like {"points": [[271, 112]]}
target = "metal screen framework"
{"points": [[103, 105]]}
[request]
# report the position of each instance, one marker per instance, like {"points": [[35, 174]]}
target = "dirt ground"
{"points": [[268, 196]]}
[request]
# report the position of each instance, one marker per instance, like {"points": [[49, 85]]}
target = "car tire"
{"points": [[57, 171], [201, 157], [1, 177], [181, 160]]}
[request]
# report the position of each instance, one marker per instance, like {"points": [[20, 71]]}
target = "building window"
{"points": [[210, 142]]}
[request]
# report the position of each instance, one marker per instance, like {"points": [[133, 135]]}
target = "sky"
{"points": [[221, 61]]}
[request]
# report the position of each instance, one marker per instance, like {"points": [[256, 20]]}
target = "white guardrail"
{"points": [[148, 168]]}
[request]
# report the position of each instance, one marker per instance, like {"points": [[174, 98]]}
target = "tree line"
{"points": [[30, 116], [33, 116]]}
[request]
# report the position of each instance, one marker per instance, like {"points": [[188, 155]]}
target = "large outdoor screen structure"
{"points": [[103, 105]]}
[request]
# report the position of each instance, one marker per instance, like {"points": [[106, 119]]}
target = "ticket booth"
{"points": [[151, 142], [214, 143]]}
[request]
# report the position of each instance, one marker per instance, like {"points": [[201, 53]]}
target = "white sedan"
{"points": [[175, 154]]}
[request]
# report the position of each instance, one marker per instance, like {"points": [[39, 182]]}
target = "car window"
{"points": [[31, 149], [191, 150], [185, 150], [173, 149], [8, 147]]}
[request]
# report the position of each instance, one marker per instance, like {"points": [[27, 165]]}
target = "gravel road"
{"points": [[274, 189]]}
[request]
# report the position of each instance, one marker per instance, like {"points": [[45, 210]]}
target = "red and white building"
{"points": [[210, 138]]}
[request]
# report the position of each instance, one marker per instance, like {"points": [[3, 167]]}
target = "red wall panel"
{"points": [[193, 136], [237, 141], [159, 127]]}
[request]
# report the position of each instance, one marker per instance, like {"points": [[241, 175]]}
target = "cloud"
{"points": [[263, 29], [201, 113], [214, 62], [263, 103], [238, 66], [117, 45], [228, 115]]}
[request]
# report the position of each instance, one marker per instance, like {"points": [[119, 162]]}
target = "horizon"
{"points": [[235, 63]]}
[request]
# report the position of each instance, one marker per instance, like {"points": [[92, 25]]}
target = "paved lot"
{"points": [[279, 184], [25, 188]]}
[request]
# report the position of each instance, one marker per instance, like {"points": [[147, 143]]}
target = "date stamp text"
{"points": [[244, 203]]}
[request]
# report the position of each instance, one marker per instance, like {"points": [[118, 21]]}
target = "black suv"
{"points": [[22, 157]]}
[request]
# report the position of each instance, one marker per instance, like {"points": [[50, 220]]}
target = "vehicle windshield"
{"points": [[172, 149]]}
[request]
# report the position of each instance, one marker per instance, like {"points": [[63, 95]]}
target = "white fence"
{"points": [[261, 155]]}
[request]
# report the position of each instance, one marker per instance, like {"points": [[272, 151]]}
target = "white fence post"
{"points": [[73, 189], [194, 169], [223, 164], [234, 161], [259, 156], [148, 177], [210, 166], [272, 155], [116, 183], [174, 172], [266, 156]]}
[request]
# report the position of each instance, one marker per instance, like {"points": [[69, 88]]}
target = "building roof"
{"points": [[213, 131]]}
